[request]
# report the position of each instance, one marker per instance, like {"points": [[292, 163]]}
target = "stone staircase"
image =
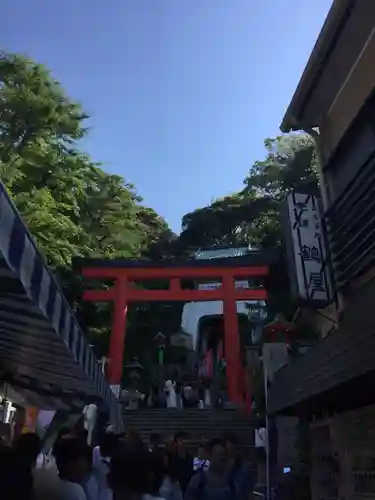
{"points": [[199, 424]]}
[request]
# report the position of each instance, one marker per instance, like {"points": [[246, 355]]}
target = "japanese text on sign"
{"points": [[308, 245]]}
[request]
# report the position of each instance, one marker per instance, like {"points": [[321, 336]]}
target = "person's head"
{"points": [[218, 455], [170, 444], [108, 444], [79, 431], [231, 444], [171, 469], [135, 473], [111, 429], [134, 436], [72, 459], [202, 451], [15, 478], [155, 440], [27, 448], [181, 442], [64, 433], [161, 451]]}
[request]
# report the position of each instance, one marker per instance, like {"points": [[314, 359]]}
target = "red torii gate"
{"points": [[125, 273]]}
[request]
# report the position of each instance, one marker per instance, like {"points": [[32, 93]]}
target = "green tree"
{"points": [[158, 238], [38, 162], [49, 192], [109, 216], [32, 106], [252, 216], [71, 205], [221, 223], [290, 164]]}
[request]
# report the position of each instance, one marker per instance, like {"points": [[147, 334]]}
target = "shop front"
{"points": [[45, 361]]}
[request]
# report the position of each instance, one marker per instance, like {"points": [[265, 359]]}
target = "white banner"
{"points": [[213, 286], [308, 248]]}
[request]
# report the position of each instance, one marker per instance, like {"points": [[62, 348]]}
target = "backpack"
{"points": [[231, 483]]}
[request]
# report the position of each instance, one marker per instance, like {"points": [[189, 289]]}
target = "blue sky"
{"points": [[181, 93]]}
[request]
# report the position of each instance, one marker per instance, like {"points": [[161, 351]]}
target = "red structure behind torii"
{"points": [[126, 273]]}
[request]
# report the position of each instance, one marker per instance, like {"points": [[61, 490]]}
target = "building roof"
{"points": [[336, 18], [253, 258]]}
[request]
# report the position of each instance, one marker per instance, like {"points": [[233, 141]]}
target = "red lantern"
{"points": [[277, 328]]}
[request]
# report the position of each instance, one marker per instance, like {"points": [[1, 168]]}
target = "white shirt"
{"points": [[198, 464], [188, 391], [47, 484], [89, 414], [91, 488], [260, 438], [101, 470], [170, 489], [70, 491]]}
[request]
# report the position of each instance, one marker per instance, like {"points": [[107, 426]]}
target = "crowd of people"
{"points": [[123, 467], [175, 394]]}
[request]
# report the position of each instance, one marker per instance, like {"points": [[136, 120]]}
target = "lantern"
{"points": [[278, 327]]}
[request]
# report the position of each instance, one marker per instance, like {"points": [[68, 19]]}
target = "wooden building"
{"points": [[332, 385]]}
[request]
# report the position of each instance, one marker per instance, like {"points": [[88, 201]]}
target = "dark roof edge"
{"points": [[261, 258], [317, 58]]}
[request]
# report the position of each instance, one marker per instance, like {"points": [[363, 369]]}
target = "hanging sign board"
{"points": [[306, 250]]}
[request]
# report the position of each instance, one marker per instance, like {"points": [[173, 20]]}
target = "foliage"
{"points": [[221, 223], [290, 164], [252, 216], [72, 207], [33, 106]]}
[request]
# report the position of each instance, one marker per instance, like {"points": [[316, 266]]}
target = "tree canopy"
{"points": [[73, 207], [252, 215], [70, 204]]}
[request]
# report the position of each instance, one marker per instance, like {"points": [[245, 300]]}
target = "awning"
{"points": [[43, 352]]}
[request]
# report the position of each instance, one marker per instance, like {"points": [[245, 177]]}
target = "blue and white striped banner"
{"points": [[40, 337]]}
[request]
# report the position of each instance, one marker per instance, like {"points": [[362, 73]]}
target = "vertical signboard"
{"points": [[306, 250]]}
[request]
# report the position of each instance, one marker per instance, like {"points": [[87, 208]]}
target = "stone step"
{"points": [[199, 424], [189, 415]]}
